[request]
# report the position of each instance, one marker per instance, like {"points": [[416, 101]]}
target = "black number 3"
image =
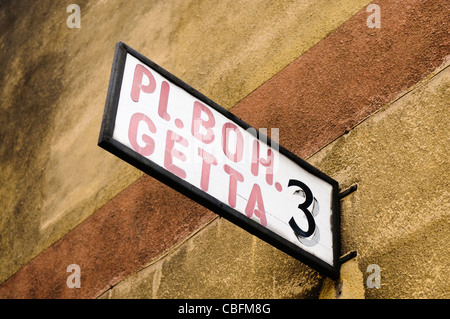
{"points": [[304, 207]]}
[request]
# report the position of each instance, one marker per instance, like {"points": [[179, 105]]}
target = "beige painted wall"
{"points": [[398, 219], [54, 81], [399, 216]]}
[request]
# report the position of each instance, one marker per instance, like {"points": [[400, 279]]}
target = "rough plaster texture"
{"points": [[201, 268], [126, 234], [349, 286], [399, 216], [54, 80], [61, 192], [350, 74]]}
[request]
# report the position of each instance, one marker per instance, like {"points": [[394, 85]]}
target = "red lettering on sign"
{"points": [[171, 152], [239, 153], [137, 86], [163, 100], [235, 176], [198, 122], [268, 163], [254, 200], [133, 131], [208, 160]]}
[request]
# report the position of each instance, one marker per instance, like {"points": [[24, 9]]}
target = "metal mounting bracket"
{"points": [[348, 191], [353, 253], [347, 257]]}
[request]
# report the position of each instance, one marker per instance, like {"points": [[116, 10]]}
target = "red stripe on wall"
{"points": [[135, 227], [350, 74], [332, 87]]}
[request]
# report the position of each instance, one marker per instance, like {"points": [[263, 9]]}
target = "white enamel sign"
{"points": [[163, 126]]}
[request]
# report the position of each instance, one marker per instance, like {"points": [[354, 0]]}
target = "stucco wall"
{"points": [[394, 220], [54, 81], [399, 216], [366, 106]]}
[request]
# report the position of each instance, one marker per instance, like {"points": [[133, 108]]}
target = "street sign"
{"points": [[169, 130]]}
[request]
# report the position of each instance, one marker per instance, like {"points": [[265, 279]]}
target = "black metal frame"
{"points": [[108, 143]]}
